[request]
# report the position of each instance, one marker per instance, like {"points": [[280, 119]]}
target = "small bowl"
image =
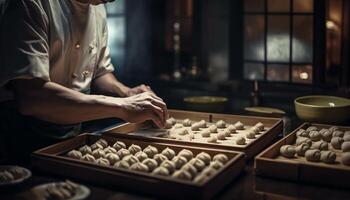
{"points": [[323, 109], [206, 103]]}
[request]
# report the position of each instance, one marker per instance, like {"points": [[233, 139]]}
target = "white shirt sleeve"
{"points": [[24, 48]]}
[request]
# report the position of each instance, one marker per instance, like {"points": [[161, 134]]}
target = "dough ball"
{"points": [[232, 129], [337, 142], [345, 147], [213, 129], [311, 128], [221, 124], [216, 165], [119, 145], [205, 157], [6, 176], [161, 171], [326, 135], [338, 133], [239, 126], [190, 168], [240, 141], [346, 138], [109, 150], [260, 126], [141, 156], [133, 149], [122, 164], [313, 155], [140, 167], [168, 124], [172, 121], [346, 133], [320, 145], [221, 158], [187, 122], [201, 178], [328, 156], [212, 139], [88, 158], [98, 153], [179, 161], [208, 171], [186, 153], [103, 161], [227, 133], [177, 126], [345, 158], [96, 146], [195, 127], [205, 133], [112, 158], [303, 140], [301, 149], [250, 135], [197, 163], [102, 142], [131, 159], [255, 130], [303, 133], [150, 163], [333, 128], [85, 150], [75, 154], [287, 151], [122, 153], [180, 131], [170, 166], [315, 136], [202, 124], [169, 153], [183, 175], [150, 151], [160, 158], [221, 136]]}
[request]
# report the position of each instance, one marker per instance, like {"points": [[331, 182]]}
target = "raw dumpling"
{"points": [[197, 163], [181, 174], [133, 149], [195, 127], [313, 155], [326, 135], [190, 168], [345, 159], [150, 151], [177, 126], [109, 150], [260, 126], [311, 128], [172, 121], [338, 133], [186, 153], [103, 161], [85, 150], [162, 171], [179, 131], [221, 158], [150, 163], [287, 151], [88, 158], [112, 158], [201, 178], [221, 124], [239, 126], [328, 156], [140, 167], [17, 172], [160, 158], [169, 123], [202, 124], [221, 136], [75, 154], [337, 142], [179, 161], [240, 141], [301, 149], [302, 140], [187, 123], [122, 153], [208, 171], [6, 176], [345, 147], [303, 133], [169, 153], [346, 138], [169, 166], [255, 130], [250, 135], [98, 153], [213, 129], [212, 139], [119, 145], [333, 128], [232, 129], [216, 165], [131, 159], [102, 142], [227, 133], [320, 145], [96, 146], [141, 156], [205, 133], [122, 164], [315, 136]]}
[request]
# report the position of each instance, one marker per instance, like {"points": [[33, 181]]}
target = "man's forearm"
{"points": [[109, 85]]}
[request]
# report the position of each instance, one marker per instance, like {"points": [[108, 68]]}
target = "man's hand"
{"points": [[138, 90], [143, 107]]}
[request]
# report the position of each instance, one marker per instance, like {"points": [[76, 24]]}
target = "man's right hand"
{"points": [[143, 107]]}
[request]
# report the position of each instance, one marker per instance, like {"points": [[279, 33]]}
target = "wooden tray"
{"points": [[270, 164], [52, 159], [274, 126]]}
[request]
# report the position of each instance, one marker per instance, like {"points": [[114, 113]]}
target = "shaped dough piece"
{"points": [[177, 126], [96, 146], [131, 159], [338, 133], [161, 171], [301, 149], [168, 124], [320, 145], [303, 133], [183, 175], [186, 153], [213, 129], [326, 135], [240, 141], [221, 136], [198, 164], [195, 126], [205, 133], [179, 161], [112, 158], [122, 153], [172, 121], [150, 163], [345, 158], [328, 157], [220, 158], [98, 153], [250, 135], [88, 158], [191, 169], [333, 128], [140, 167], [6, 176], [227, 133], [315, 136], [302, 140], [287, 151], [212, 139], [133, 149], [75, 154], [313, 155], [160, 158], [311, 128], [122, 164], [239, 126], [169, 153], [187, 122], [205, 157], [119, 145], [202, 124], [346, 138], [103, 161], [169, 166], [109, 150], [337, 142], [102, 142], [255, 130], [150, 151], [141, 156], [345, 147], [232, 129], [85, 150], [209, 171], [179, 131], [216, 165], [201, 178], [220, 124], [260, 126]]}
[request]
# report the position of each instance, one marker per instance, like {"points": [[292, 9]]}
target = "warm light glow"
{"points": [[304, 76], [331, 25]]}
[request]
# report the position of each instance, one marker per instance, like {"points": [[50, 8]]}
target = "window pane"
{"points": [[254, 71], [302, 73], [254, 6], [278, 72], [278, 5], [278, 38], [116, 36], [254, 31], [303, 39], [303, 6], [117, 7]]}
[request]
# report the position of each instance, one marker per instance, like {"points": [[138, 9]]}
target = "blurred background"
{"points": [[182, 48]]}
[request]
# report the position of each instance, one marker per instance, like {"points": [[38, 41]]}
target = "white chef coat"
{"points": [[63, 41]]}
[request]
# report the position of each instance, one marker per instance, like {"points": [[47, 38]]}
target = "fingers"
{"points": [[159, 113], [155, 115]]}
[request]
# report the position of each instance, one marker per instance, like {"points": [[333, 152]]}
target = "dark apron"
{"points": [[21, 135]]}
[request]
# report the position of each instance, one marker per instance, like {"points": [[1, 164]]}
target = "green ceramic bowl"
{"points": [[206, 103], [323, 109]]}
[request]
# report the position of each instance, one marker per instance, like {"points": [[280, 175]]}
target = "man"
{"points": [[52, 54]]}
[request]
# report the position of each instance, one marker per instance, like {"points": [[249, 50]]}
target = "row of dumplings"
{"points": [[183, 165], [11, 174]]}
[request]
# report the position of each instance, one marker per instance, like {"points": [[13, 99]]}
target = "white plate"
{"points": [[27, 174]]}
